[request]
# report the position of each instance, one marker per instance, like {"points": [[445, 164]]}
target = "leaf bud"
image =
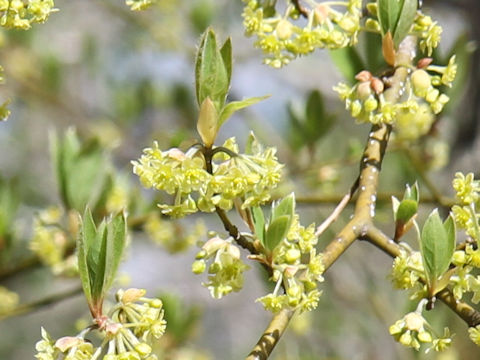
{"points": [[364, 75], [207, 122], [424, 62], [377, 85]]}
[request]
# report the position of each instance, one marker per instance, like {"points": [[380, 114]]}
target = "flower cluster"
{"points": [[139, 5], [367, 101], [413, 329], [407, 269], [249, 177], [50, 241], [474, 334], [126, 333], [428, 31], [281, 40], [297, 268], [226, 269], [21, 14], [467, 191], [171, 234]]}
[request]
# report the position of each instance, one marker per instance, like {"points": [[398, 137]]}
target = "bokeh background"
{"points": [[126, 79]]}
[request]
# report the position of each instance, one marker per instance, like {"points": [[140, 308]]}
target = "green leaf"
{"points": [[405, 21], [234, 106], [259, 223], [285, 207], [451, 231], [397, 17], [87, 233], [388, 14], [81, 170], [226, 53], [348, 61], [211, 75], [97, 266], [406, 210], [436, 247], [277, 231], [99, 254], [412, 193], [116, 237]]}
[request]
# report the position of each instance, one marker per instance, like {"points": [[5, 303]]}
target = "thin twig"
{"points": [[303, 11], [39, 304], [338, 209]]}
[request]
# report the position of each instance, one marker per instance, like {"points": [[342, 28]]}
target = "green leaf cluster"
{"points": [[99, 253], [405, 211], [437, 245], [81, 170], [213, 74], [272, 233]]}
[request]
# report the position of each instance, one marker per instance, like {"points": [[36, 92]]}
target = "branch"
{"points": [[368, 179], [271, 336], [39, 304], [303, 11]]}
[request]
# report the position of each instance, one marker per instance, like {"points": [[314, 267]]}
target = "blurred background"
{"points": [[122, 79]]}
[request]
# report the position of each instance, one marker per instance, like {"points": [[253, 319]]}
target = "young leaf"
{"points": [[259, 223], [405, 21], [88, 232], [437, 247], [226, 53], [285, 207], [412, 193], [388, 14], [277, 231], [234, 106], [117, 231], [207, 125], [97, 266], [406, 210], [211, 75]]}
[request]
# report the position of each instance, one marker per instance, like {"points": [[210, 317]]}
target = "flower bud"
{"points": [[370, 104], [414, 321], [233, 251], [132, 295], [421, 82], [67, 342], [176, 154], [198, 266], [292, 255], [356, 108], [143, 349], [284, 29], [213, 245], [363, 90]]}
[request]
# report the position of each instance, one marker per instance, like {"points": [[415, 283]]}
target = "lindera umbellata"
{"points": [[401, 94]]}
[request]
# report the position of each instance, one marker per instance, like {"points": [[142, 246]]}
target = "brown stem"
{"points": [[303, 11]]}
